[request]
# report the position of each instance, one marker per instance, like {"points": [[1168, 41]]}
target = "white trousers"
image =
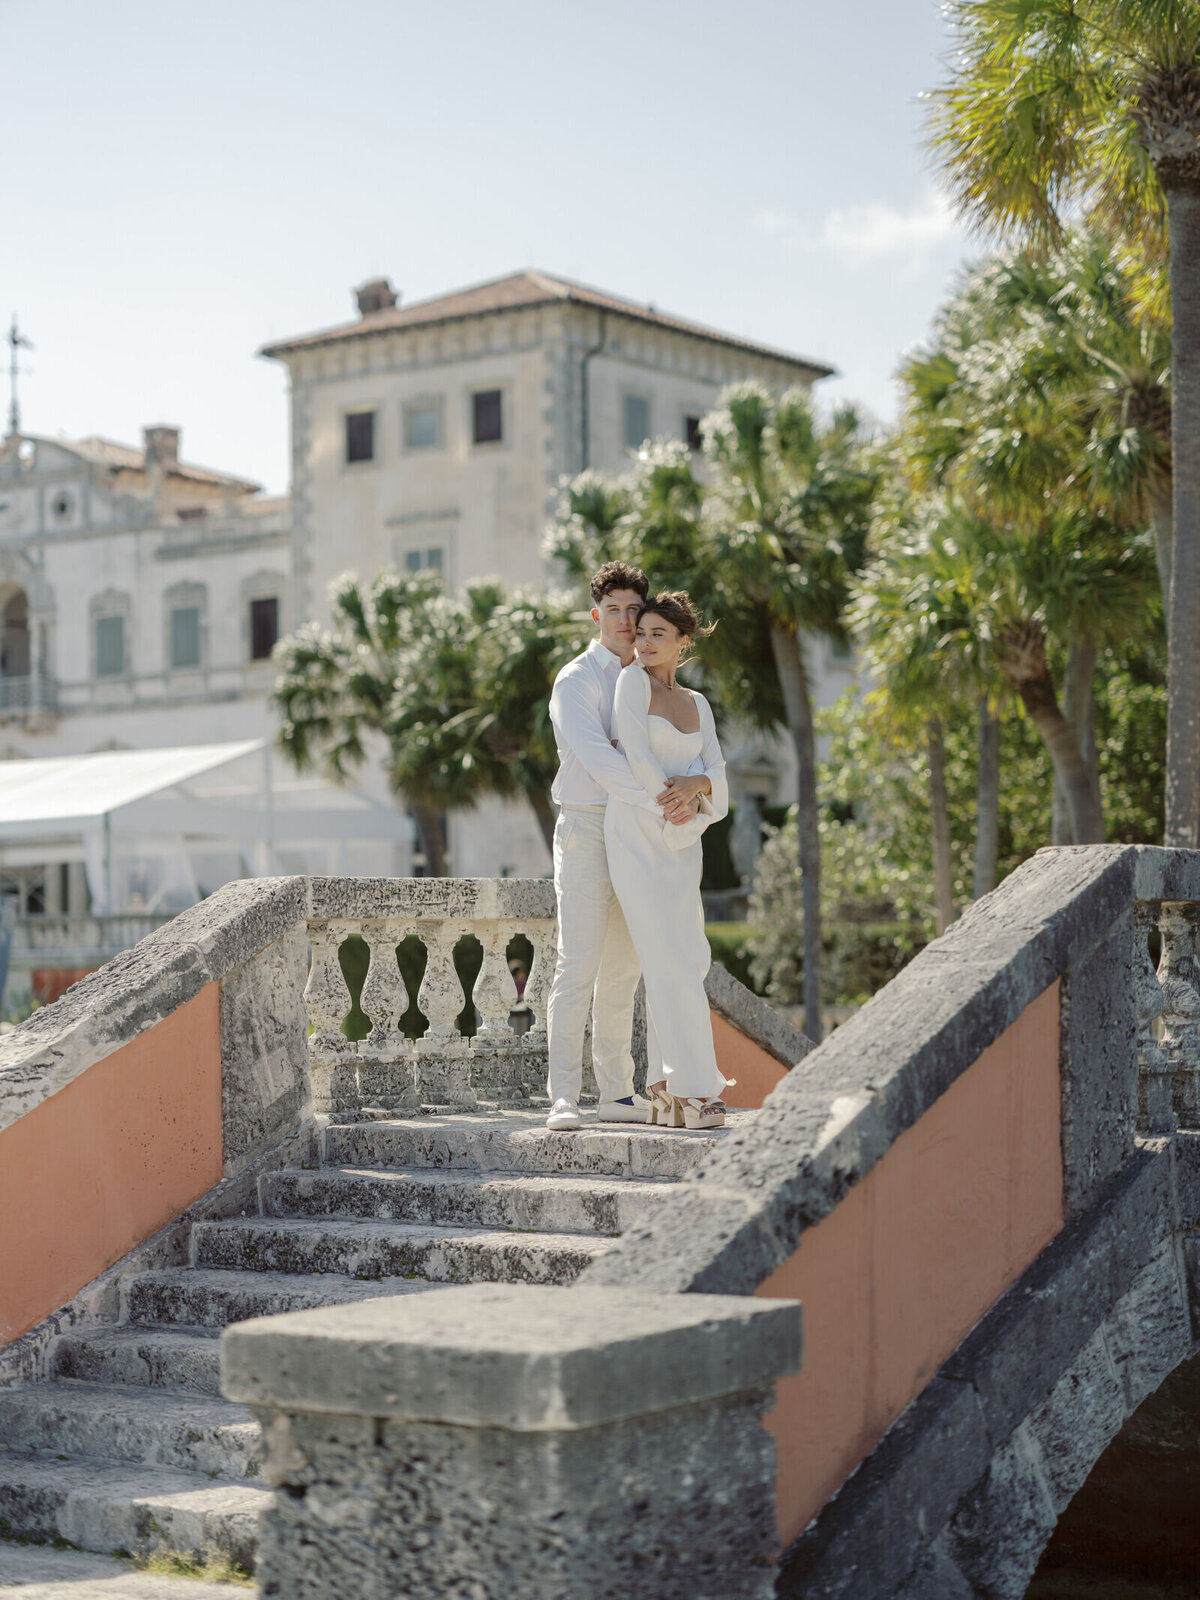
{"points": [[597, 967], [660, 892]]}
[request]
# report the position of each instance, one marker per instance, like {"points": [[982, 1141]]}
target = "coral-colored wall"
{"points": [[103, 1163], [756, 1072], [894, 1277]]}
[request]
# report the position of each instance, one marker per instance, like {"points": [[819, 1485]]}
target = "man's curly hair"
{"points": [[618, 575]]}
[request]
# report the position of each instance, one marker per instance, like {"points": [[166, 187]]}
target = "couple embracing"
{"points": [[641, 776]]}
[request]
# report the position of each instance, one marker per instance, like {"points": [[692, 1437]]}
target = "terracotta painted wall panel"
{"points": [[756, 1071], [906, 1265], [101, 1165]]}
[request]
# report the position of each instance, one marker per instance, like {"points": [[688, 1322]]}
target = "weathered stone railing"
{"points": [[443, 1064], [984, 1190]]}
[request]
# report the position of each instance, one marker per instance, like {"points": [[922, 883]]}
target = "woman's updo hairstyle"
{"points": [[676, 608]]}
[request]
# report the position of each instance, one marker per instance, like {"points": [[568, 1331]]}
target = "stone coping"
{"points": [[823, 1129], [472, 899], [753, 1016], [519, 1357], [143, 985]]}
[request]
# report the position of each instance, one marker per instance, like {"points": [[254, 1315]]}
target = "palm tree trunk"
{"points": [[543, 807], [1183, 609], [987, 802], [1037, 695], [1162, 526], [943, 866], [788, 651], [1079, 708], [429, 833]]}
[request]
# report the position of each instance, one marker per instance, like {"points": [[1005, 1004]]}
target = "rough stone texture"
{"points": [[750, 1014], [1099, 1066], [466, 899], [188, 1432], [213, 1299], [149, 1358], [141, 986], [1002, 1527], [937, 1577], [1166, 874], [824, 1128], [473, 1200], [102, 1505], [675, 1506], [264, 1049], [528, 1359], [394, 1249], [44, 1574]]}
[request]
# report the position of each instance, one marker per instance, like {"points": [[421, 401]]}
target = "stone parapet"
{"points": [[493, 1440]]}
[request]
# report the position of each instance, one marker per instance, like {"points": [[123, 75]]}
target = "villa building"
{"points": [[141, 595], [437, 435]]}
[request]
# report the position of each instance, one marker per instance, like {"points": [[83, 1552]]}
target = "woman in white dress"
{"points": [[668, 736]]}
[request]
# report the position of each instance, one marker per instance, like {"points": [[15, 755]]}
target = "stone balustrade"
{"points": [[1167, 1004], [413, 1048]]}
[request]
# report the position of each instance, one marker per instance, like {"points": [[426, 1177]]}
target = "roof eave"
{"points": [[346, 331]]}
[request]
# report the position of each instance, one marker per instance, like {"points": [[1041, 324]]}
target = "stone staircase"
{"points": [[128, 1446]]}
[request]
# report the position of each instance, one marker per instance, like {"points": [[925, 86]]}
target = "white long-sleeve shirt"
{"points": [[581, 708], [631, 710]]}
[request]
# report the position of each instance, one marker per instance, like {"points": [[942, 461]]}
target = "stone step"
{"points": [[42, 1572], [114, 1505], [558, 1204], [185, 1362], [520, 1142], [212, 1299], [191, 1433], [394, 1249]]}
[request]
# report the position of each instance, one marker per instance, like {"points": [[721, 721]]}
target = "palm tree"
{"points": [[913, 611], [788, 510], [1095, 104], [335, 685], [1046, 388]]}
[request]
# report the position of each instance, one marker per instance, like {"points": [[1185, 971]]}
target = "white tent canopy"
{"points": [[145, 822]]}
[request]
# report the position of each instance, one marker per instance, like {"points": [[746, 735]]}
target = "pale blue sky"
{"points": [[183, 182]]}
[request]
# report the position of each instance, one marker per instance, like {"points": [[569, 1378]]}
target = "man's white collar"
{"points": [[606, 655]]}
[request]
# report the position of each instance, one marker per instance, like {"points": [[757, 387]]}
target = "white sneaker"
{"points": [[618, 1111], [564, 1114]]}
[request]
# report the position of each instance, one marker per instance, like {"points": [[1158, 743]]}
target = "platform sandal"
{"points": [[662, 1108]]}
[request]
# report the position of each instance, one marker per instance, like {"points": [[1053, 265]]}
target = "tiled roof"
{"points": [[130, 458], [520, 289]]}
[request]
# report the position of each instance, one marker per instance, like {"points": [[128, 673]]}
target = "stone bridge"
{"points": [[870, 1343]]}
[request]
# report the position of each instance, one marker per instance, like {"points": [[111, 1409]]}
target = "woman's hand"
{"points": [[683, 793]]}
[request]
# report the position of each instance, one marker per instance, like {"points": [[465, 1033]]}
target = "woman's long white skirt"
{"points": [[659, 891]]}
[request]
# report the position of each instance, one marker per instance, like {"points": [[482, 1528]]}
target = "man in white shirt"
{"points": [[597, 967]]}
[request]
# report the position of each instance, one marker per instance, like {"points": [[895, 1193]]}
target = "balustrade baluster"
{"points": [[495, 991], [442, 1068], [384, 996], [1180, 1039], [330, 1053], [543, 936], [1156, 1114]]}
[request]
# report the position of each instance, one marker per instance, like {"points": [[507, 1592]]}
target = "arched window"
{"points": [[14, 633]]}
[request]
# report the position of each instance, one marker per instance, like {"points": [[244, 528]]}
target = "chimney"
{"points": [[162, 446], [376, 294]]}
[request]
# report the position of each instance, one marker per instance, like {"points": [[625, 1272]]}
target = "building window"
{"points": [[488, 416], [430, 560], [185, 636], [691, 433], [360, 436], [110, 647], [637, 421], [264, 628], [423, 425]]}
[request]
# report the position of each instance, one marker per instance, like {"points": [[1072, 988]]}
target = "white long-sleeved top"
{"points": [[631, 712], [581, 709]]}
